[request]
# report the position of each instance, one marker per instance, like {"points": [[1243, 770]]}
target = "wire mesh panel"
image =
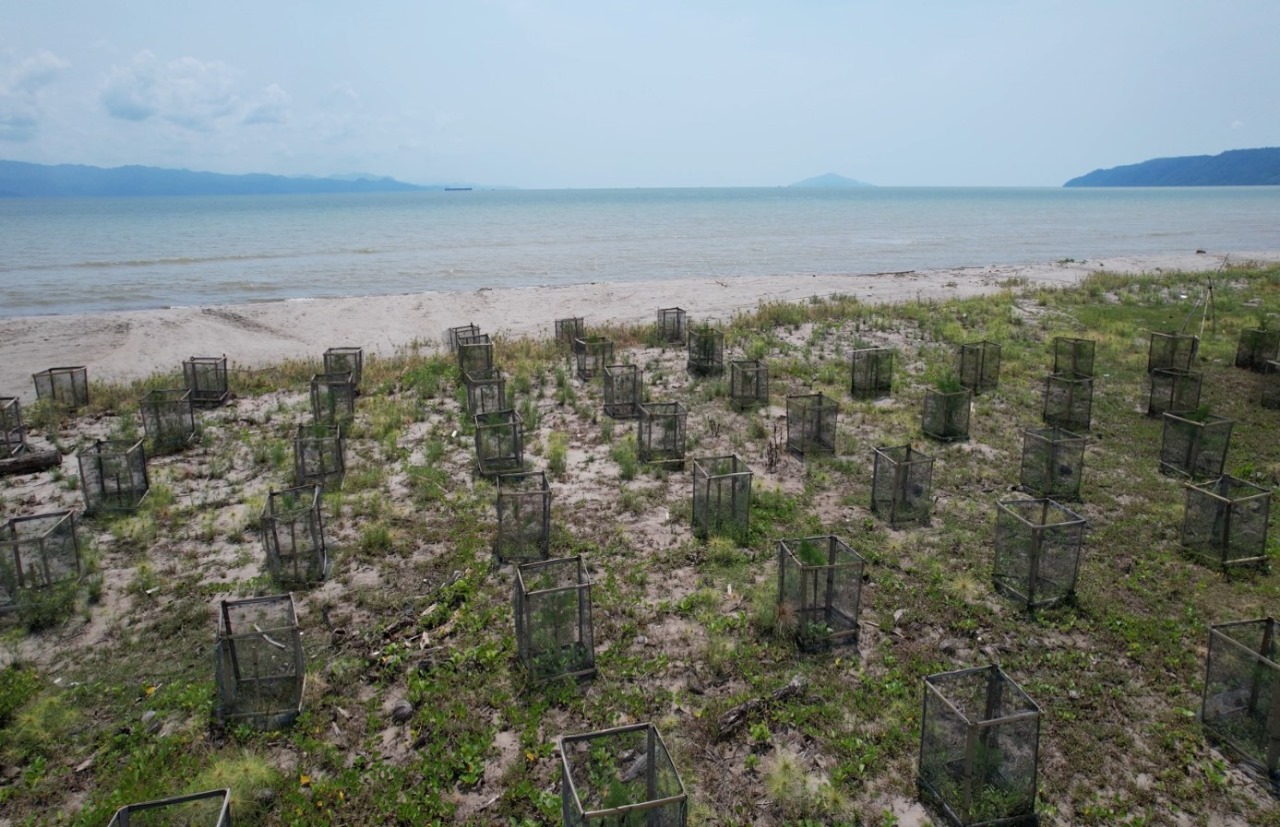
{"points": [[569, 331], [553, 619], [1037, 551], [1073, 356], [1269, 384], [1173, 390], [946, 414], [819, 591], [1172, 351], [206, 378], [660, 432], [902, 485], [1225, 522], [453, 334], [672, 326], [594, 354], [293, 535], [499, 442], [207, 809], [319, 455], [1052, 463], [333, 399], [721, 497], [113, 475], [706, 351], [1257, 346], [37, 552], [486, 391], [618, 777], [65, 387], [811, 424], [872, 374], [979, 748], [980, 366], [748, 383], [1068, 401], [13, 436], [1195, 444], [345, 360], [475, 353], [1241, 706], [524, 518], [260, 667], [168, 419], [622, 391]]}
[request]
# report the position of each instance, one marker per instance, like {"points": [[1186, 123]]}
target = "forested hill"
{"points": [[1234, 168]]}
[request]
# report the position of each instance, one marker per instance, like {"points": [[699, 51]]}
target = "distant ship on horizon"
{"points": [[457, 189]]}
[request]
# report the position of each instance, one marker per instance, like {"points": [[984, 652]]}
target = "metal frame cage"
{"points": [[660, 432], [1195, 445], [748, 383], [811, 424], [1225, 521], [721, 497], [168, 419], [453, 334], [113, 475], [672, 325], [486, 391], [293, 535], [260, 667], [1241, 704], [622, 391], [945, 415], [553, 619], [475, 353], [594, 354], [1052, 463], [333, 399], [620, 776], [1068, 401], [37, 552], [207, 809], [1175, 351], [1269, 386], [820, 591], [902, 485], [1037, 551], [1257, 346], [980, 366], [523, 504], [206, 378], [345, 360], [569, 330], [66, 387], [499, 442], [319, 455], [1073, 355], [871, 373], [1173, 390], [13, 436], [706, 351]]}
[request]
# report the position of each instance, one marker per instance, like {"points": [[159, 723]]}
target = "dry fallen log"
{"points": [[732, 720], [30, 462]]}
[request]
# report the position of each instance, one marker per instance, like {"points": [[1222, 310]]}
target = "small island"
{"points": [[829, 181], [1234, 168]]}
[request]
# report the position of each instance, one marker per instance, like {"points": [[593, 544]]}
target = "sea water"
{"points": [[101, 254]]}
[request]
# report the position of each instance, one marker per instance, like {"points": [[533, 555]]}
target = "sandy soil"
{"points": [[135, 344]]}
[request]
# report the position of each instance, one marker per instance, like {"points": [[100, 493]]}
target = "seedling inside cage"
{"points": [[1257, 346], [594, 354], [259, 663], [293, 535], [811, 424], [1195, 444], [67, 388], [523, 503], [721, 497], [619, 778], [553, 619], [168, 419], [319, 455], [819, 591], [333, 399], [37, 552], [486, 391], [113, 476], [622, 391], [1037, 551], [1052, 463], [872, 373], [706, 351], [946, 413], [980, 366], [499, 443], [902, 485], [660, 433], [206, 378], [672, 325], [1241, 706], [345, 360], [748, 383]]}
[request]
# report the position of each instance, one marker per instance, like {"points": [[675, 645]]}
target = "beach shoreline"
{"points": [[128, 345]]}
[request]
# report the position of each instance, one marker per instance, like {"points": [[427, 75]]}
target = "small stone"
{"points": [[402, 712], [641, 640]]}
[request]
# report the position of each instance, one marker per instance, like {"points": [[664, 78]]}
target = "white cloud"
{"points": [[190, 93], [21, 89], [271, 107], [1237, 124]]}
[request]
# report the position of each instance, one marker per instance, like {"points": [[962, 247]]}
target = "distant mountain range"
{"points": [[1234, 168], [23, 180], [830, 181]]}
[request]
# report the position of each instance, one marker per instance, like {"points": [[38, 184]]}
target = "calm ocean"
{"points": [[79, 255]]}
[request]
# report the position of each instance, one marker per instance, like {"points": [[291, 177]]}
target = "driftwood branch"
{"points": [[733, 720], [30, 462]]}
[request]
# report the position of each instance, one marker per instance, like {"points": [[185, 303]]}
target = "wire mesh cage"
{"points": [[13, 436], [902, 485], [345, 360], [207, 809], [1172, 351], [486, 391], [811, 424], [453, 334], [660, 432], [594, 354], [748, 383], [293, 535], [333, 399], [1037, 551], [706, 351], [66, 387], [1195, 444], [1269, 385], [259, 665], [620, 776], [872, 373], [979, 748], [523, 502], [553, 619], [1224, 522], [113, 476], [1073, 356], [672, 325], [37, 552], [475, 353], [1257, 346], [168, 419], [319, 455], [1052, 463], [819, 591], [499, 442], [1173, 389], [206, 378], [1068, 401], [946, 414], [1241, 706], [623, 385], [980, 366], [569, 331], [721, 497]]}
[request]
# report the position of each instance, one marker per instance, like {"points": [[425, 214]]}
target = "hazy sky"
{"points": [[648, 93]]}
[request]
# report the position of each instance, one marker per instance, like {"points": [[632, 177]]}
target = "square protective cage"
{"points": [[819, 591], [748, 383], [37, 552], [1195, 445], [706, 351], [672, 325], [872, 373], [345, 360], [1037, 546], [13, 436], [168, 419], [1269, 386], [980, 366], [293, 536], [453, 334], [486, 391], [206, 378], [207, 809], [623, 385], [594, 354], [569, 330], [1052, 463], [945, 416], [523, 503], [475, 353], [333, 399], [811, 424], [1241, 705], [319, 455], [1224, 522], [499, 443], [553, 619], [113, 476], [1173, 391], [1068, 401], [1172, 351], [721, 497], [1257, 346], [902, 485], [67, 388], [660, 432], [260, 667], [1073, 356], [618, 777]]}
